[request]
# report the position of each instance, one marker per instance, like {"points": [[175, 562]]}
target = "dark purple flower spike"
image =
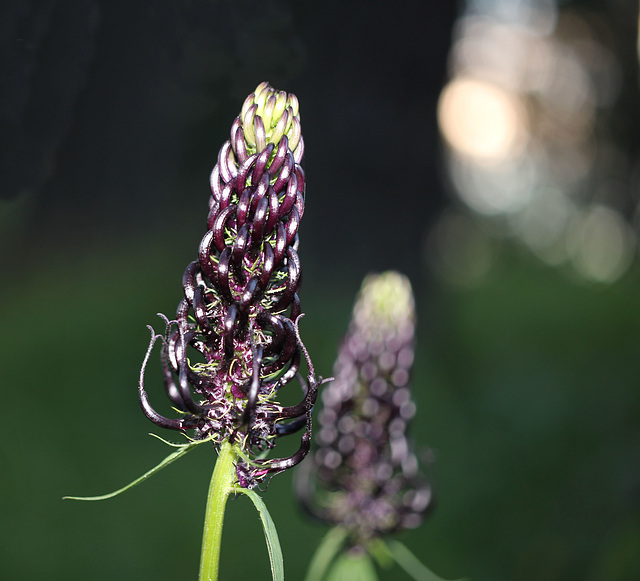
{"points": [[235, 342], [363, 476]]}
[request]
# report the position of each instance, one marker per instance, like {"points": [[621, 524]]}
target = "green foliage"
{"points": [[270, 534]]}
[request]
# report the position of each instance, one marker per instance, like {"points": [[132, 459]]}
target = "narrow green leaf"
{"points": [[270, 534], [168, 460], [326, 553], [410, 563], [172, 444]]}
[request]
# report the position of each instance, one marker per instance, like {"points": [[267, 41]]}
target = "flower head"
{"points": [[363, 475], [234, 342]]}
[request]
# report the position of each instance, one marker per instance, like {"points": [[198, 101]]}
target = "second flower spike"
{"points": [[363, 475]]}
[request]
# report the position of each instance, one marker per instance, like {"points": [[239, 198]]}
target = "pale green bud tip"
{"points": [[267, 115], [385, 302]]}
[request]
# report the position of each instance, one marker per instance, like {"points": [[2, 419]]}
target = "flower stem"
{"points": [[222, 482]]}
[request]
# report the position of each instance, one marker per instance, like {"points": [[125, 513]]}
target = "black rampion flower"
{"points": [[235, 343], [363, 476]]}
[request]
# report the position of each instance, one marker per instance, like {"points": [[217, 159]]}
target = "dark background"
{"points": [[111, 116]]}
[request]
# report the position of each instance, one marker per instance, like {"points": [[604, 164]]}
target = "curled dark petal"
{"points": [[279, 157], [177, 356], [219, 226], [260, 219], [273, 211], [267, 266], [292, 370], [275, 466], [295, 307], [240, 245], [232, 167], [249, 294], [229, 328], [281, 244], [185, 392], [216, 184], [224, 263], [200, 312], [188, 280], [292, 224], [254, 386], [271, 325], [261, 190], [227, 193], [174, 392], [155, 417], [223, 162], [204, 257], [244, 203], [300, 205], [173, 344], [237, 139], [243, 172], [289, 198], [293, 265], [285, 172], [288, 346], [182, 310], [311, 392], [306, 405], [284, 429], [169, 383], [300, 178], [233, 134], [241, 154], [261, 163], [214, 208], [170, 386]]}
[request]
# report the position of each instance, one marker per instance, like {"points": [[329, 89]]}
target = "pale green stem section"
{"points": [[222, 482]]}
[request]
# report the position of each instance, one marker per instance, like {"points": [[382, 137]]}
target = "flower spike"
{"points": [[363, 476], [235, 341]]}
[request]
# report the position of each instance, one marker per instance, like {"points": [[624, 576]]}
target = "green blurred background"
{"points": [[527, 366]]}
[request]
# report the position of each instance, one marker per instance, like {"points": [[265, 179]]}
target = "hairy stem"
{"points": [[222, 481]]}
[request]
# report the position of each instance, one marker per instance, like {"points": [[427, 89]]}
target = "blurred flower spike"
{"points": [[235, 342], [363, 476]]}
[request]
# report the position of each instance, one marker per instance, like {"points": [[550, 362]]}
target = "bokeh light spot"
{"points": [[481, 120], [600, 243]]}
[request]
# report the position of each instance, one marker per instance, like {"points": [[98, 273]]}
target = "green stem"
{"points": [[222, 481]]}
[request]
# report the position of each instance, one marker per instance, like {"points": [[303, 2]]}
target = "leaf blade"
{"points": [[163, 464], [270, 534]]}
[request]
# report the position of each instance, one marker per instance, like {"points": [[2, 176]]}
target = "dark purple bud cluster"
{"points": [[235, 343], [363, 475]]}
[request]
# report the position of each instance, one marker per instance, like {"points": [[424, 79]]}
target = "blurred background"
{"points": [[489, 149]]}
